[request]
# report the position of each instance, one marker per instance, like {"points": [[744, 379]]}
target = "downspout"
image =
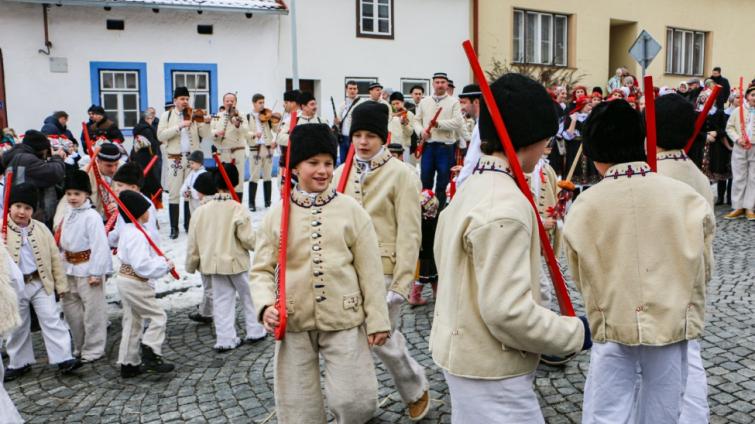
{"points": [[294, 49], [48, 43]]}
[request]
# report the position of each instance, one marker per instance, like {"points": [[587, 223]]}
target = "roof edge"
{"points": [[114, 3]]}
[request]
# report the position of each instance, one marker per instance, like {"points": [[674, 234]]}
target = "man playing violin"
{"points": [[230, 131], [261, 147]]}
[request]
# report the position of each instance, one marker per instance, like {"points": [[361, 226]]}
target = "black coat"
{"points": [[39, 172], [723, 95], [145, 155]]}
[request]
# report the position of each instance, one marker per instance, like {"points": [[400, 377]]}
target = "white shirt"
{"points": [[188, 184], [346, 115], [83, 230], [150, 226], [472, 157], [26, 262], [134, 250]]}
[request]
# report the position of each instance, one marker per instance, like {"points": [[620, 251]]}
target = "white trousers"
{"points": [[743, 178], [504, 401], [695, 408], [8, 412], [350, 381], [408, 375], [54, 332], [139, 304], [85, 312], [224, 289], [205, 308], [610, 395]]}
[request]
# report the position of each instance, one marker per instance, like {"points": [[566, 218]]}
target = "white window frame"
{"points": [[424, 82], [684, 63], [361, 80], [194, 92], [519, 38], [374, 6], [118, 114]]}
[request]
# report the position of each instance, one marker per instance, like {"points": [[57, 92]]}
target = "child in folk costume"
{"points": [[675, 121], [644, 299], [204, 186], [11, 286], [139, 265], [131, 177], [87, 261], [743, 158], [220, 239], [196, 164], [32, 246], [489, 327], [335, 294], [388, 190]]}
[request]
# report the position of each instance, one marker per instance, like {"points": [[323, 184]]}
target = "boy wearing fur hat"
{"points": [[204, 186], [290, 106], [87, 261], [196, 164], [675, 121], [181, 136], [644, 299], [32, 246], [220, 239], [335, 294], [388, 191], [743, 158], [139, 265], [400, 124], [489, 327], [131, 177]]}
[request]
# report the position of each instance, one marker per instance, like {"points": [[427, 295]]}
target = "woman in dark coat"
{"points": [[145, 147]]}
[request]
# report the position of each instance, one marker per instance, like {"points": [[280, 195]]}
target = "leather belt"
{"points": [[28, 278], [235, 149], [177, 157], [78, 257], [129, 272]]}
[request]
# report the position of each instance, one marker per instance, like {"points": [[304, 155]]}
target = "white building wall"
{"points": [[252, 55]]}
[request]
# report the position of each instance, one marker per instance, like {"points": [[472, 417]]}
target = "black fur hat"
{"points": [[130, 173], [310, 140], [674, 121], [135, 202], [233, 175], [78, 180], [614, 133]]}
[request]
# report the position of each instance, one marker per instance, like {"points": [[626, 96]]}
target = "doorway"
{"points": [[622, 35], [307, 85]]}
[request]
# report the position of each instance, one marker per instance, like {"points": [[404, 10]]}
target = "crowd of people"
{"points": [[395, 195]]}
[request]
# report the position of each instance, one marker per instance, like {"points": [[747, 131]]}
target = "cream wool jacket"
{"points": [[234, 137], [450, 121], [169, 133], [734, 125], [9, 285], [333, 276], [639, 248], [401, 134], [488, 322], [46, 254], [389, 193], [220, 237], [266, 128], [545, 193], [676, 164]]}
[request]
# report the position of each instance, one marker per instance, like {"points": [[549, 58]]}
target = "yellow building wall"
{"points": [[730, 27]]}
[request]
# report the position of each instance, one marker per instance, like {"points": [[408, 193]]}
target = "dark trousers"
{"points": [[437, 159], [343, 148]]}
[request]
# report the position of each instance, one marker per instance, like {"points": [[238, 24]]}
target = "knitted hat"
{"points": [[370, 116], [196, 156], [24, 193], [291, 96], [78, 180], [233, 175], [36, 140], [674, 121], [396, 148], [305, 97], [471, 91], [526, 108], [109, 152], [614, 133], [180, 92], [97, 110], [396, 96], [134, 202], [205, 184], [312, 139], [130, 173]]}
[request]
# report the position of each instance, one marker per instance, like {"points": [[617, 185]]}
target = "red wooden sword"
{"points": [[650, 122], [562, 294]]}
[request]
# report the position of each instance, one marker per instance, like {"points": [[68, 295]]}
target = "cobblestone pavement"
{"points": [[237, 386]]}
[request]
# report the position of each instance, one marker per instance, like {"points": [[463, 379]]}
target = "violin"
{"points": [[194, 115], [275, 118], [265, 115]]}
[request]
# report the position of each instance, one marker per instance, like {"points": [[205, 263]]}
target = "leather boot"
{"points": [[187, 216], [173, 214], [267, 188], [415, 299], [153, 363], [252, 195]]}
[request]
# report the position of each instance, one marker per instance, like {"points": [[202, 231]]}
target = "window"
{"points": [[121, 89], [408, 83], [540, 38], [201, 79], [363, 84], [375, 18], [685, 52]]}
